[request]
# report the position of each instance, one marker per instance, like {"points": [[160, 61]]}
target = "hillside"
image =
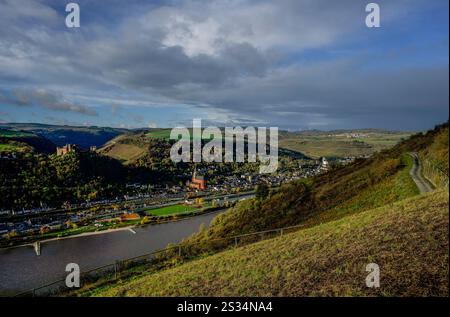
{"points": [[365, 184], [127, 148], [149, 152], [148, 158], [365, 211], [32, 179], [435, 159], [8, 145], [408, 240], [304, 144], [18, 141]]}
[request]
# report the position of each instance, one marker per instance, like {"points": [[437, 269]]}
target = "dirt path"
{"points": [[416, 174]]}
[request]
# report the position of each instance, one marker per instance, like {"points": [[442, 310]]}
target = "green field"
{"points": [[15, 141], [320, 143], [338, 145], [8, 144], [8, 148], [159, 134], [4, 147], [164, 134], [14, 134], [171, 210]]}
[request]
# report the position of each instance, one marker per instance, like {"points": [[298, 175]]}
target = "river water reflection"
{"points": [[21, 269]]}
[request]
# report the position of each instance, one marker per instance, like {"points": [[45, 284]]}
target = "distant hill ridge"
{"points": [[337, 131], [60, 135]]}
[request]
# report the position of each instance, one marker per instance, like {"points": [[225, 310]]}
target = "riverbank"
{"points": [[23, 270], [90, 229], [130, 227], [137, 224]]}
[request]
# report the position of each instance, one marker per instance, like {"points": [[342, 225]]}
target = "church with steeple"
{"points": [[198, 181]]}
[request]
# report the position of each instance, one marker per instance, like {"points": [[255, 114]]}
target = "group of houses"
{"points": [[49, 224]]}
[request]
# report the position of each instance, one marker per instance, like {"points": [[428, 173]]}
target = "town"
{"points": [[138, 204]]}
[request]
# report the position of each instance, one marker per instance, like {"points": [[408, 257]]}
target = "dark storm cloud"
{"points": [[164, 68], [340, 96], [240, 60], [43, 98]]}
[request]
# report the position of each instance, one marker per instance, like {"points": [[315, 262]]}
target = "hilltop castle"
{"points": [[66, 149]]}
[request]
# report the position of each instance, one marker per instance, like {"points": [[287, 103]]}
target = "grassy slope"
{"points": [[330, 199], [19, 141], [437, 151], [394, 188], [7, 145], [365, 184], [126, 152], [408, 240], [435, 159], [125, 148], [10, 148]]}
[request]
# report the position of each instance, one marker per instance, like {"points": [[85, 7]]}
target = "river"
{"points": [[21, 269]]}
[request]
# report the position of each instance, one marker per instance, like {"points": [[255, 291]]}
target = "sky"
{"points": [[292, 64]]}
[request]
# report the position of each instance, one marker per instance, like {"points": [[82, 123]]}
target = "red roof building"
{"points": [[128, 217], [198, 181]]}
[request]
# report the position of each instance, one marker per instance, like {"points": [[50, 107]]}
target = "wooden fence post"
{"points": [[116, 269]]}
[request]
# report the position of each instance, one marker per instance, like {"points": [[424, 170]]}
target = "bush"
{"points": [[262, 191]]}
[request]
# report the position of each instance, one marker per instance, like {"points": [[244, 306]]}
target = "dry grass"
{"points": [[391, 189], [126, 152], [361, 213], [435, 159], [408, 240]]}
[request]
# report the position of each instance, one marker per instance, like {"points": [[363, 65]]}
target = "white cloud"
{"points": [[234, 59]]}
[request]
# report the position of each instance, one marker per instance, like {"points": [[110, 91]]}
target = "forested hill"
{"points": [[31, 179]]}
